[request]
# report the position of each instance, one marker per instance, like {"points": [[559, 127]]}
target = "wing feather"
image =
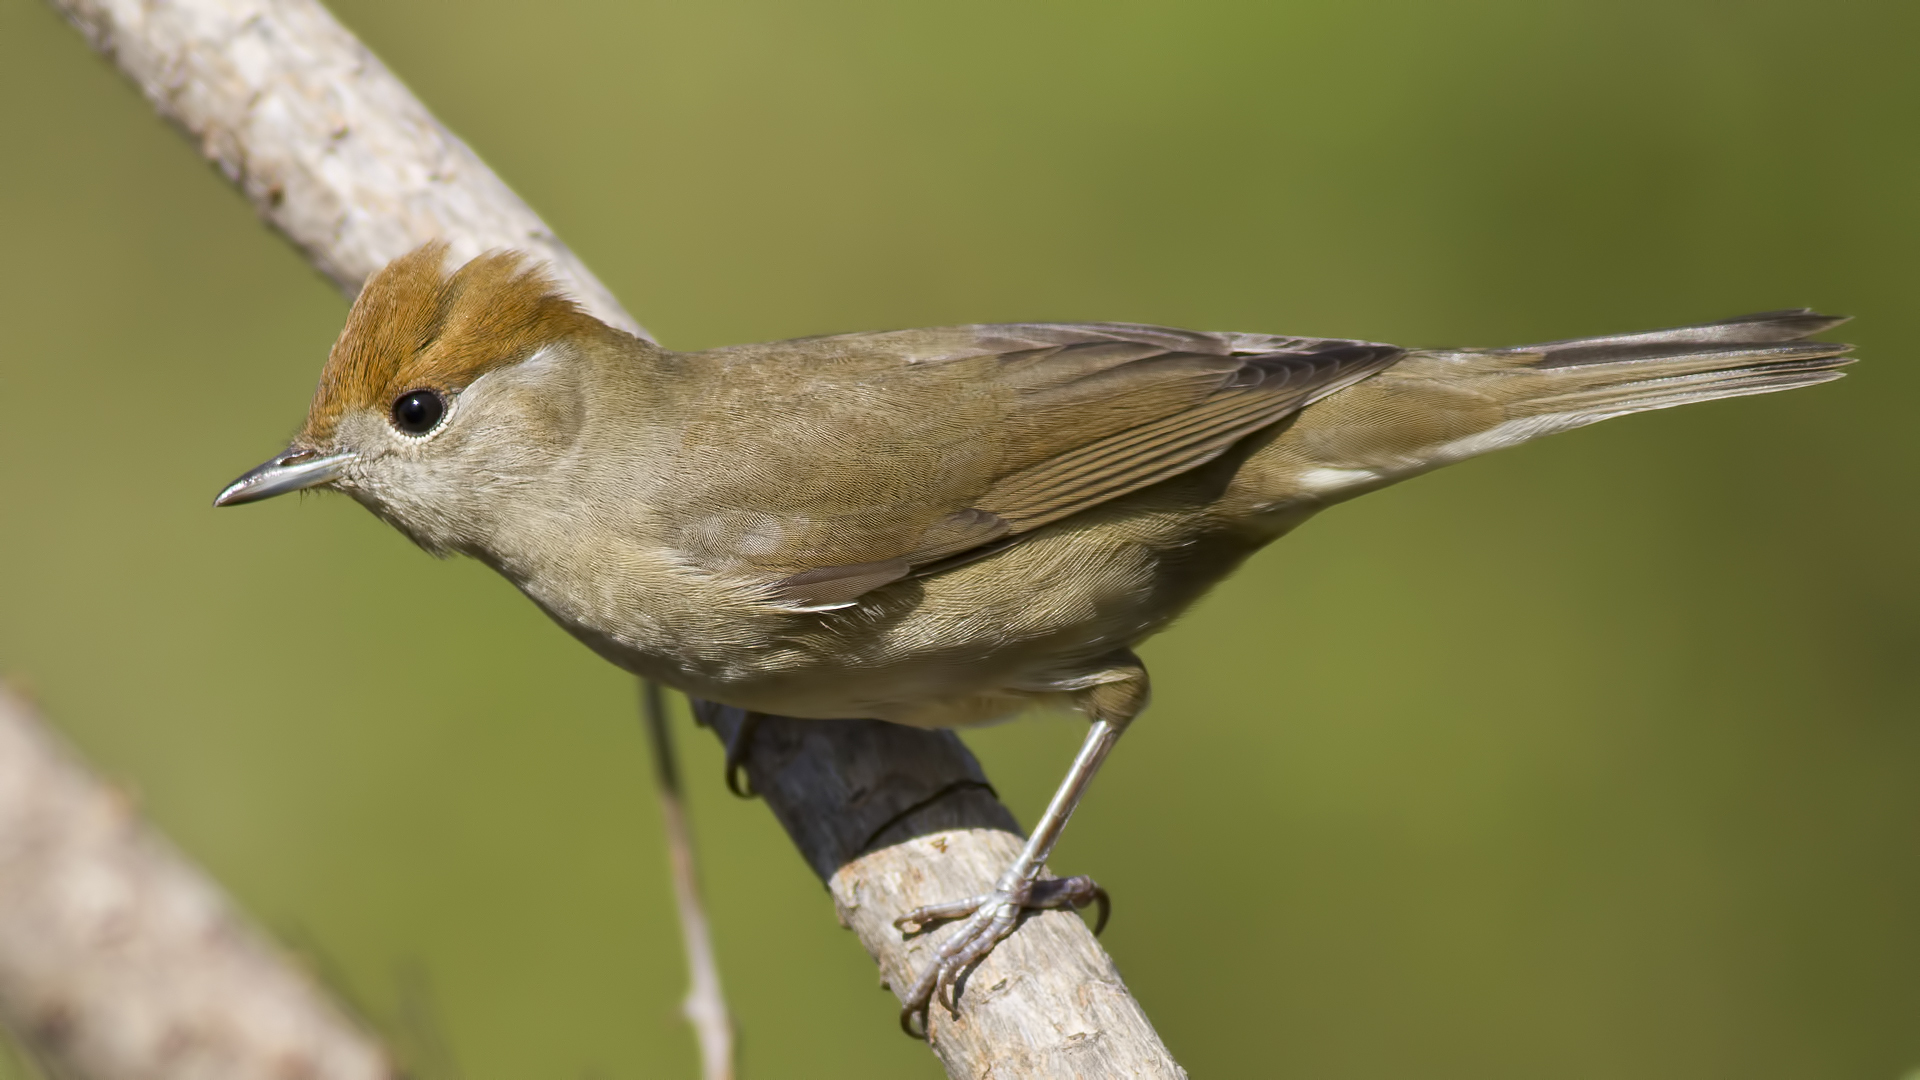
{"points": [[1129, 460], [1063, 417]]}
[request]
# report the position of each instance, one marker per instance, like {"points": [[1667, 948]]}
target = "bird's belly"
{"points": [[978, 643], [964, 684]]}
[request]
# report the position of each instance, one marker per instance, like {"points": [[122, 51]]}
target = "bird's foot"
{"points": [[990, 919]]}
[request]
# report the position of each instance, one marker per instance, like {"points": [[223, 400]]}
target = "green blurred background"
{"points": [[1593, 760]]}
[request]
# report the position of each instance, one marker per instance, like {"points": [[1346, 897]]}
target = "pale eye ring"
{"points": [[417, 412]]}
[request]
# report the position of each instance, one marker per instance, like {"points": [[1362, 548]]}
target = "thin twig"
{"points": [[705, 1006]]}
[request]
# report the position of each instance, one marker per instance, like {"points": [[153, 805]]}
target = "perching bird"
{"points": [[936, 527]]}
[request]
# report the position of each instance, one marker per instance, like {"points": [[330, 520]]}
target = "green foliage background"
{"points": [[1593, 760]]}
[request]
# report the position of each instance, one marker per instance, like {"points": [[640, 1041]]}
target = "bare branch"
{"points": [[336, 153], [118, 958], [330, 147], [891, 818]]}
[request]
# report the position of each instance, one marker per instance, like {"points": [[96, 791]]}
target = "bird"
{"points": [[938, 527]]}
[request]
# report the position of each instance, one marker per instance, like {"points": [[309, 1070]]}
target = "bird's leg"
{"points": [[992, 916]]}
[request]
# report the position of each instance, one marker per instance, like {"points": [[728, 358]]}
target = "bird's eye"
{"points": [[417, 412]]}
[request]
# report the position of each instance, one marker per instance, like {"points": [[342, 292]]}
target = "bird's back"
{"points": [[936, 526]]}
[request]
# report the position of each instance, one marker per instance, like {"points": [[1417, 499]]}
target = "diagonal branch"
{"points": [[337, 154], [120, 959], [893, 818]]}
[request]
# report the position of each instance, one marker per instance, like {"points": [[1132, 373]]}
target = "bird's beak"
{"points": [[291, 471]]}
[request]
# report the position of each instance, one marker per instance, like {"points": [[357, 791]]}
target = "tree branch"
{"points": [[892, 818], [118, 958], [337, 154], [329, 146]]}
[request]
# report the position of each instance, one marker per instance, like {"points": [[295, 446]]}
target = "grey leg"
{"points": [[992, 916]]}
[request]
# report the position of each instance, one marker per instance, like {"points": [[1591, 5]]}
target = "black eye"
{"points": [[417, 412]]}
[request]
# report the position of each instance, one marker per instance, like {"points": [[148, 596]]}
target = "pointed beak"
{"points": [[291, 471]]}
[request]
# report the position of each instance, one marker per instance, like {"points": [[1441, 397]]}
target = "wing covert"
{"points": [[990, 432]]}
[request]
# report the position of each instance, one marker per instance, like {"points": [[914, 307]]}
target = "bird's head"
{"points": [[445, 390]]}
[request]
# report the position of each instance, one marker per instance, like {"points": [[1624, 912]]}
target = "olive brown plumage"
{"points": [[937, 527]]}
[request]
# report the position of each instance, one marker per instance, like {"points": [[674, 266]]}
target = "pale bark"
{"points": [[118, 958], [327, 144], [893, 818], [337, 154]]}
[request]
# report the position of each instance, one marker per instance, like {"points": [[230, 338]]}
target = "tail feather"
{"points": [[1767, 327], [1678, 380], [1595, 406], [1437, 407], [1589, 379]]}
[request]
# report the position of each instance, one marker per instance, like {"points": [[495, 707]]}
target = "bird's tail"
{"points": [[1585, 380], [1437, 407]]}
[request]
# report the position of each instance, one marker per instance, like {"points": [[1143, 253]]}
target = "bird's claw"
{"points": [[738, 747], [990, 919]]}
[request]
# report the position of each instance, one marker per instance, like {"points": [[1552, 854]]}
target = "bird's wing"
{"points": [[872, 455]]}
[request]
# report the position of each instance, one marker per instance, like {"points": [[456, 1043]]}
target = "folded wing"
{"points": [[1047, 420]]}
